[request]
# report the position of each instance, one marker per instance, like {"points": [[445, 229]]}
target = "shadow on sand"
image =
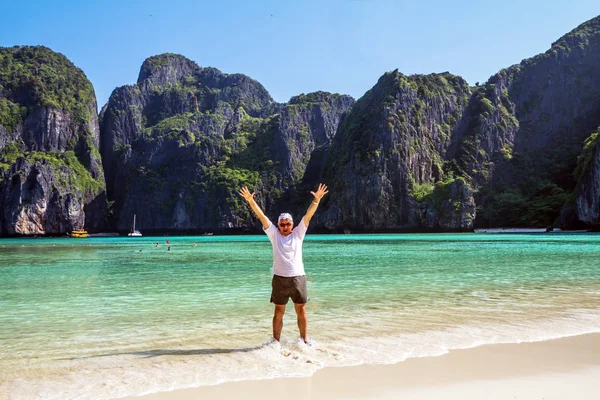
{"points": [[166, 352]]}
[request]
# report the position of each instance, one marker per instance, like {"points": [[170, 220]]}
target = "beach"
{"points": [[566, 368]]}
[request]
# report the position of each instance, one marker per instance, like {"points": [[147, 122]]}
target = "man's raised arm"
{"points": [[318, 195], [245, 193]]}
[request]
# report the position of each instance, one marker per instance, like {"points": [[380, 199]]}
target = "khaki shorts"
{"points": [[284, 288]]}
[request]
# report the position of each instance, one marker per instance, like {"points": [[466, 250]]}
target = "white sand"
{"points": [[567, 368]]}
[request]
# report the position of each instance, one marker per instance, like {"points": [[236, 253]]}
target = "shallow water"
{"points": [[109, 317]]}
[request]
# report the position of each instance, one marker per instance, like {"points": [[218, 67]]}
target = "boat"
{"points": [[133, 231], [79, 233]]}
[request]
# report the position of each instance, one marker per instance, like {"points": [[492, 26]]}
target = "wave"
{"points": [[133, 373]]}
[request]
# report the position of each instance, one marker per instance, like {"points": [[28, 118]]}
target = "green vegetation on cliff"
{"points": [[437, 193], [540, 184], [537, 207], [163, 60], [176, 127], [318, 97], [67, 169], [420, 192], [35, 76], [246, 162], [579, 36], [9, 155], [11, 114]]}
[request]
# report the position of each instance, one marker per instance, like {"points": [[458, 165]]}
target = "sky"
{"points": [[294, 46]]}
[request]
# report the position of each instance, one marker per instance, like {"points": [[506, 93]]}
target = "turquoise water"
{"points": [[109, 317]]}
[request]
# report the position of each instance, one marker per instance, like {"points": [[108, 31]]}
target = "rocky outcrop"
{"points": [[588, 191], [306, 123], [40, 198], [557, 93], [395, 137], [51, 178], [414, 153], [486, 131], [178, 144], [161, 135], [523, 130], [451, 207]]}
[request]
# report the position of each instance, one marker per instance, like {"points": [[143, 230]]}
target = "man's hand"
{"points": [[321, 191], [245, 193], [249, 197]]}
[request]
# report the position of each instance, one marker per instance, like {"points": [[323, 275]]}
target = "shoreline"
{"points": [[167, 234], [551, 369]]}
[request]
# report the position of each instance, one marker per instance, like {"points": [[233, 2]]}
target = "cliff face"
{"points": [[523, 130], [416, 152], [178, 145], [42, 198], [450, 207], [307, 123], [183, 170], [558, 93], [51, 177], [514, 140], [420, 152], [393, 142], [587, 202]]}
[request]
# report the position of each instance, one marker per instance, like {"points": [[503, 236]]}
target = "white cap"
{"points": [[285, 216]]}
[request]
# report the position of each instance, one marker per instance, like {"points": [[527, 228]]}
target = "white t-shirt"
{"points": [[287, 250]]}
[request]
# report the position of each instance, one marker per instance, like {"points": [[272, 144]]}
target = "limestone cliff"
{"points": [[392, 144], [51, 177], [179, 143], [523, 130]]}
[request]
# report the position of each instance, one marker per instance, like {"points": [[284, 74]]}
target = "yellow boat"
{"points": [[79, 233]]}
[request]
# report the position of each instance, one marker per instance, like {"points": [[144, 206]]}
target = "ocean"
{"points": [[108, 317]]}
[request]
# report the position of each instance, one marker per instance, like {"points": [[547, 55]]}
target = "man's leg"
{"points": [[302, 320], [278, 320]]}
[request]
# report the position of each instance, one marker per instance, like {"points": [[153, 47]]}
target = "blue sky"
{"points": [[294, 46]]}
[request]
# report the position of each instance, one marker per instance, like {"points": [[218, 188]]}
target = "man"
{"points": [[289, 279]]}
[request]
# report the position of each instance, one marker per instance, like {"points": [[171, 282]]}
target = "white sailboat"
{"points": [[133, 231]]}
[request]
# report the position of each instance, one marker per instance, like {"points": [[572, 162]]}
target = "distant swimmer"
{"points": [[169, 249], [157, 245], [289, 278]]}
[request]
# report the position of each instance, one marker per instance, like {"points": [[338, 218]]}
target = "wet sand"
{"points": [[567, 368]]}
